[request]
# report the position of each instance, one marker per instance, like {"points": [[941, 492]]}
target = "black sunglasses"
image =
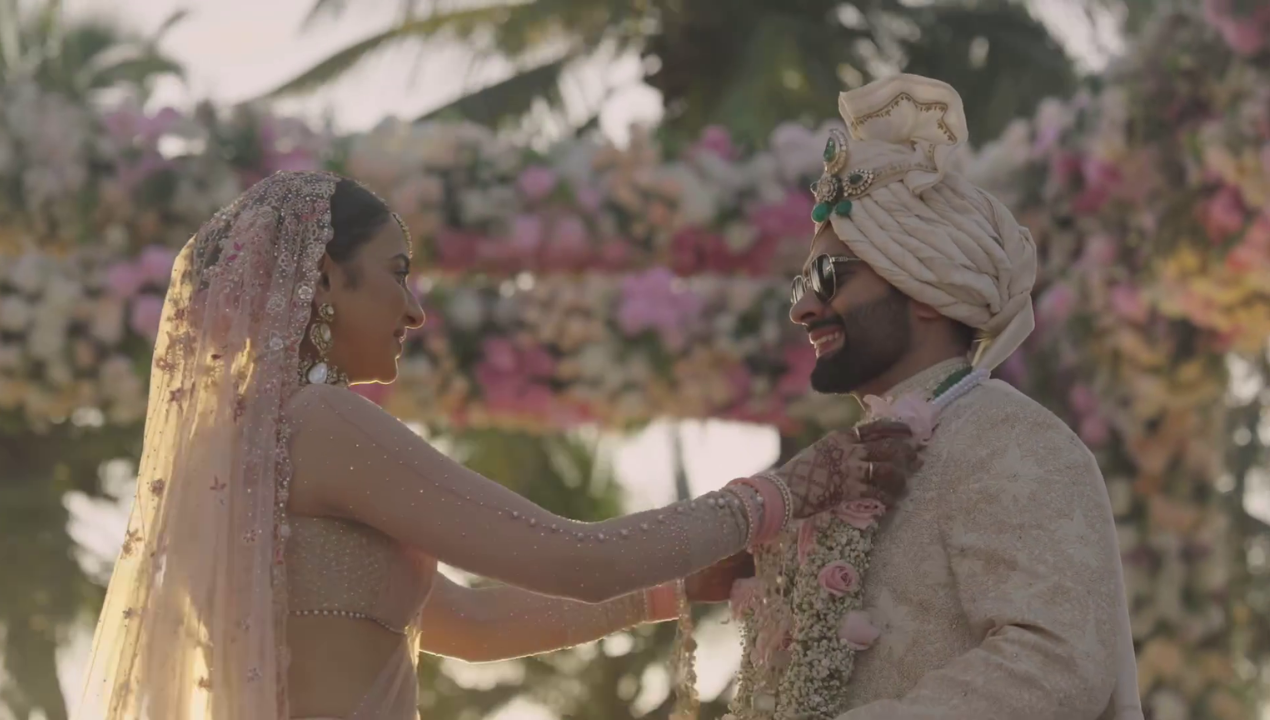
{"points": [[821, 276]]}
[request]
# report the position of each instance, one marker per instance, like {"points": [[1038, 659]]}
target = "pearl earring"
{"points": [[322, 371]]}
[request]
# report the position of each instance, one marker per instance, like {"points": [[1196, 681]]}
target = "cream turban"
{"points": [[891, 197]]}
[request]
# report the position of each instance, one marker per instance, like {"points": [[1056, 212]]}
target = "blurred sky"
{"points": [[235, 50]]}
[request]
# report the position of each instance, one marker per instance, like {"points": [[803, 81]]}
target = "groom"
{"points": [[996, 583]]}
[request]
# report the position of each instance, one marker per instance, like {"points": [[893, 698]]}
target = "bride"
{"points": [[281, 557]]}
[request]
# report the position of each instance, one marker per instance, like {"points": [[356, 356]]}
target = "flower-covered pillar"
{"points": [[1150, 201]]}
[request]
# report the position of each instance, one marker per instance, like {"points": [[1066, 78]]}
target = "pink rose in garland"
{"points": [[860, 514], [839, 578]]}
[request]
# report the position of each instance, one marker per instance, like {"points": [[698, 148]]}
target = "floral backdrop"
{"points": [[592, 285]]}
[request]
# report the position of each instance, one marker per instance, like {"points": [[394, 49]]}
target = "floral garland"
{"points": [[803, 620]]}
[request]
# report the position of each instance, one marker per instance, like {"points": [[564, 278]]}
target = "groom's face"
{"points": [[863, 330]]}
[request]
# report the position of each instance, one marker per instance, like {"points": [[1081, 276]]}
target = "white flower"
{"points": [[465, 309], [15, 313], [698, 201], [29, 272], [48, 340], [740, 236], [797, 150], [107, 320]]}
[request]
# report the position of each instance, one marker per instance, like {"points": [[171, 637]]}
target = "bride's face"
{"points": [[374, 306]]}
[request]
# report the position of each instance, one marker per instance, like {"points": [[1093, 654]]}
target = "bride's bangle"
{"points": [[775, 510], [786, 495], [661, 603], [753, 504]]}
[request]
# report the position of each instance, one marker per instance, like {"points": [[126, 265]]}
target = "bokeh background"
{"points": [[607, 199]]}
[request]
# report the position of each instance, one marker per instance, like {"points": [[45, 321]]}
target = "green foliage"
{"points": [[749, 67], [81, 58]]}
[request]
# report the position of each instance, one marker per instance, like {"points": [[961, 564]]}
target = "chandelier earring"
{"points": [[321, 371]]}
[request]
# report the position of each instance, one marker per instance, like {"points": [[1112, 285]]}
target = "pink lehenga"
{"points": [[194, 620]]}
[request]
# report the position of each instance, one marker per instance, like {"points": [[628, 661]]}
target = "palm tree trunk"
{"points": [[682, 490]]}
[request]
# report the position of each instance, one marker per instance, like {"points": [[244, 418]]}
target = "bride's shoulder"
{"points": [[325, 401]]}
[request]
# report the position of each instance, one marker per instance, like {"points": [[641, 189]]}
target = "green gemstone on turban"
{"points": [[831, 149], [820, 212], [843, 209]]}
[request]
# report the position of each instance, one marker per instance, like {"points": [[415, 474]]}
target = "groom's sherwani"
{"points": [[996, 581]]}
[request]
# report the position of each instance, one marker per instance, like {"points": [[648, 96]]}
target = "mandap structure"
{"points": [[592, 286]]}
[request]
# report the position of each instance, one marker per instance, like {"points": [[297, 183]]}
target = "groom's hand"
{"points": [[714, 584], [872, 461]]}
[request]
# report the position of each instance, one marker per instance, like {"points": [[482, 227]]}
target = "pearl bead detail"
{"points": [[350, 614]]}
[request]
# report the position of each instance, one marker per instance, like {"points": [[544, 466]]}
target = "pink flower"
{"points": [[1223, 214], [588, 198], [512, 379], [124, 279], [744, 596], [787, 218], [1094, 430], [145, 314], [536, 182], [567, 249], [857, 631], [526, 235], [860, 514], [800, 359], [839, 578], [807, 532], [717, 140], [1014, 369], [911, 410], [1100, 252], [1056, 304], [1127, 302], [1082, 399], [654, 300], [156, 263]]}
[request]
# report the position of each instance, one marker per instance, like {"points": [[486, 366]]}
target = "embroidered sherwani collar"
{"points": [[926, 381]]}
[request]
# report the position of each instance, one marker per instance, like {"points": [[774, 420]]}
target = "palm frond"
{"points": [[176, 18], [343, 61], [513, 97], [135, 71], [323, 10]]}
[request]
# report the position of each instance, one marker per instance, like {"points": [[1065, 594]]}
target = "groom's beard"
{"points": [[875, 337]]}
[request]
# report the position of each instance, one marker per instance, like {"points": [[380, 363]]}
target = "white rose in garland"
{"points": [[803, 620]]}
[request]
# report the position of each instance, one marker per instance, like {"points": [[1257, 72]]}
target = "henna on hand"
{"points": [[836, 468]]}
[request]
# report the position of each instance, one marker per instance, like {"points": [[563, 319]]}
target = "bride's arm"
{"points": [[356, 461], [500, 623]]}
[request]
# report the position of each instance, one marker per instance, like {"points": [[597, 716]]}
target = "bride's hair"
{"points": [[356, 215]]}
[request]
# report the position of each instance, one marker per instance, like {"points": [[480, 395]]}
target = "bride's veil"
{"points": [[194, 619]]}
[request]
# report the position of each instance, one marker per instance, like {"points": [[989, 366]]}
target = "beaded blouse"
{"points": [[345, 569]]}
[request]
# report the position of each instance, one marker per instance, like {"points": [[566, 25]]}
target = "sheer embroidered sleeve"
{"points": [[363, 464], [1032, 548], [499, 623]]}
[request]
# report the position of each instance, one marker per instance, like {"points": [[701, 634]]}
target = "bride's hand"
{"points": [[872, 461]]}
